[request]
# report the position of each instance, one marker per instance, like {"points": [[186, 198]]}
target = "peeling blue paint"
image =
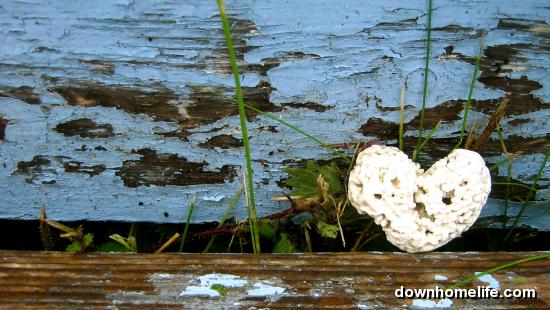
{"points": [[362, 50]]}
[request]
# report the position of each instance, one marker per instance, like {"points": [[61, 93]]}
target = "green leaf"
{"points": [[88, 239], [266, 230], [123, 241], [327, 230], [219, 288], [112, 246], [74, 247], [284, 245], [304, 179]]}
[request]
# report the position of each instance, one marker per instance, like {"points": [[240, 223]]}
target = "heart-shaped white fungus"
{"points": [[419, 211]]}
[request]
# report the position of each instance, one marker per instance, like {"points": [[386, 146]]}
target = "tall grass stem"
{"points": [[242, 115], [401, 115], [497, 268], [530, 193], [426, 72], [187, 221], [470, 93]]}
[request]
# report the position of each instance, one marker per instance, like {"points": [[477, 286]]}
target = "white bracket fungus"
{"points": [[419, 211]]}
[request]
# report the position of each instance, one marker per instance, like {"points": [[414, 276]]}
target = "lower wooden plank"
{"points": [[241, 281]]}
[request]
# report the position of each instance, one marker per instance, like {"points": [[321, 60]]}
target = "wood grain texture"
{"points": [[108, 109], [332, 280]]}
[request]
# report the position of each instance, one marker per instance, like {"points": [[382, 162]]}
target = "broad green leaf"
{"points": [[266, 230], [112, 246], [327, 230], [74, 247], [304, 179], [284, 245]]}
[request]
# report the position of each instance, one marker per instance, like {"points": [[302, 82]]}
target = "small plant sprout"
{"points": [[79, 240], [130, 242]]}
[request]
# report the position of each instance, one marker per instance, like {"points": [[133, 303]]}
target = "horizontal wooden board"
{"points": [[328, 280], [109, 109]]}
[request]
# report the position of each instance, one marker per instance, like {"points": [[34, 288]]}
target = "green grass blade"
{"points": [[401, 115], [427, 70], [187, 221], [531, 192], [497, 268], [498, 164], [276, 119], [312, 138], [432, 132], [252, 222], [228, 211], [508, 177], [470, 93], [515, 184], [242, 116]]}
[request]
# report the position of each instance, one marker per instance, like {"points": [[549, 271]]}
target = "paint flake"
{"points": [[493, 283], [426, 303], [206, 282], [263, 290]]}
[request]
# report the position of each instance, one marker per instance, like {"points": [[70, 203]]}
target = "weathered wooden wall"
{"points": [[100, 119]]}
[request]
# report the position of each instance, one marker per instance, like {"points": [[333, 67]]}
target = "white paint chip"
{"points": [[493, 283], [206, 281], [426, 303], [161, 276], [422, 303], [444, 303], [213, 198], [194, 290], [440, 278], [264, 290]]}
